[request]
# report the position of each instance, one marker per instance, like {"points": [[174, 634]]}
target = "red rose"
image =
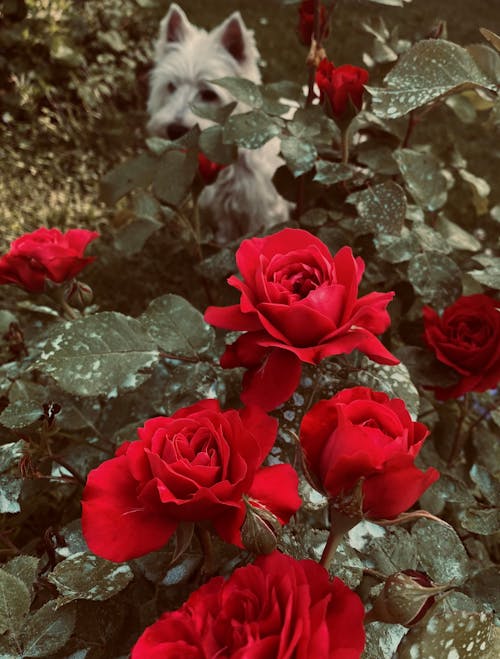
{"points": [[339, 85], [298, 304], [363, 434], [45, 254], [208, 169], [467, 338], [306, 21], [277, 608], [195, 465]]}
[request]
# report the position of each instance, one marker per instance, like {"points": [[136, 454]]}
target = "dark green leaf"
{"points": [[250, 130], [329, 173], [48, 629], [174, 174], [132, 237], [430, 70], [245, 91], [483, 521], [440, 552], [455, 236], [214, 112], [212, 145], [299, 155], [11, 453], [177, 327], [99, 354], [436, 278], [136, 173], [424, 368], [15, 601], [423, 176], [85, 576], [381, 208], [24, 568], [10, 491]]}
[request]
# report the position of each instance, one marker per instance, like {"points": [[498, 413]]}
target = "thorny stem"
{"points": [[459, 438], [340, 524]]}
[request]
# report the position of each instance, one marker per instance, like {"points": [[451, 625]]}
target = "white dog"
{"points": [[243, 198]]}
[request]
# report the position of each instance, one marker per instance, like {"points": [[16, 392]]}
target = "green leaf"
{"points": [[440, 552], [424, 368], [24, 568], [430, 240], [381, 208], [488, 484], [136, 173], [174, 175], [432, 69], [423, 176], [86, 576], [214, 112], [452, 635], [15, 602], [329, 173], [48, 629], [133, 236], [177, 327], [10, 491], [245, 91], [483, 521], [393, 551], [212, 145], [490, 276], [26, 405], [99, 354], [250, 130], [487, 59], [436, 278], [456, 237], [397, 249], [299, 155]]}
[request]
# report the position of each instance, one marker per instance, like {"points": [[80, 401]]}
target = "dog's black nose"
{"points": [[174, 131]]}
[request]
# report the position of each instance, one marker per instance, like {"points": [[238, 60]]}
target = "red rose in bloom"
{"points": [[467, 338], [360, 433], [306, 21], [45, 254], [339, 84], [298, 304], [195, 465], [208, 169], [277, 608]]}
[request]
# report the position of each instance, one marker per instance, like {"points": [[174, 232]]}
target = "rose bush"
{"points": [[276, 608], [305, 27], [467, 338], [363, 434], [340, 85], [298, 304], [45, 254], [196, 465]]}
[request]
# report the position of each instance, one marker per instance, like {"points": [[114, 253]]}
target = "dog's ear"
{"points": [[235, 37], [174, 27]]}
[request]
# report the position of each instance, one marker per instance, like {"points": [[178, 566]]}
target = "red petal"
{"points": [[276, 488], [273, 382]]}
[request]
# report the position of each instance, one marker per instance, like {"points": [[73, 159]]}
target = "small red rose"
{"points": [[276, 608], [298, 303], [45, 254], [306, 21], [208, 169], [466, 338], [200, 464], [341, 88], [363, 435]]}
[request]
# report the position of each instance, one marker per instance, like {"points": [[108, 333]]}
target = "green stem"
{"points": [[344, 145], [459, 438]]}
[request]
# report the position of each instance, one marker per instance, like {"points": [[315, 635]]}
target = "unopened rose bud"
{"points": [[260, 530], [79, 295], [405, 598]]}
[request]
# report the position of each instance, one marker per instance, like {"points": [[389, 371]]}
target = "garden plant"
{"points": [[282, 446]]}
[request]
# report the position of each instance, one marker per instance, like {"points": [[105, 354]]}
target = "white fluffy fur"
{"points": [[243, 198]]}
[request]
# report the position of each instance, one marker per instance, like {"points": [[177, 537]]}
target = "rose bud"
{"points": [[405, 598], [260, 530], [466, 338], [208, 169], [79, 295], [341, 89]]}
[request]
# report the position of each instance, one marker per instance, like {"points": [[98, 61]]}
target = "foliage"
{"points": [[73, 389]]}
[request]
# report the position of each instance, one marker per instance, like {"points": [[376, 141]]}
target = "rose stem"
{"points": [[459, 438], [340, 524], [344, 142], [205, 541]]}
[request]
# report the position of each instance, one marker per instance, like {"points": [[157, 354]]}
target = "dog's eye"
{"points": [[171, 88], [208, 96]]}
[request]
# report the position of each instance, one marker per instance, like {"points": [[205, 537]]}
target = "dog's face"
{"points": [[186, 59]]}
